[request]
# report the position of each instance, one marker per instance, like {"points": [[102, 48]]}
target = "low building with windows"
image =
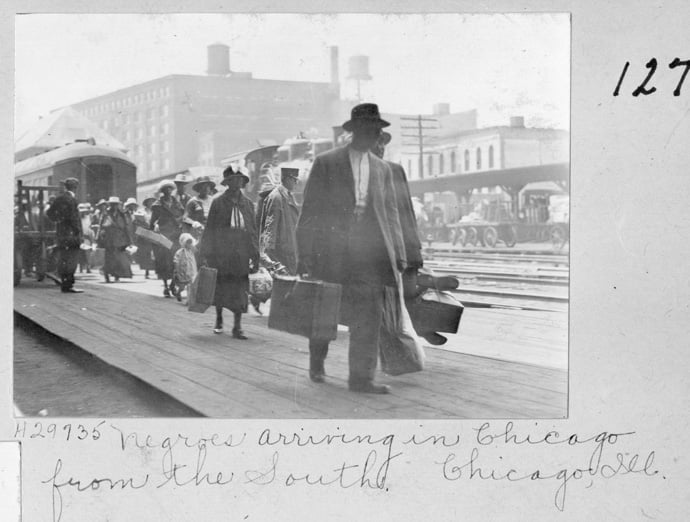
{"points": [[458, 147]]}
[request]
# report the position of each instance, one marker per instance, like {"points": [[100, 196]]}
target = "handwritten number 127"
{"points": [[652, 65]]}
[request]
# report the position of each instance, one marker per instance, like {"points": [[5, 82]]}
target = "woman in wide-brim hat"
{"points": [[166, 219], [198, 207], [230, 244], [144, 254], [115, 234]]}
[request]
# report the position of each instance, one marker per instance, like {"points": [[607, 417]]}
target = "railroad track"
{"points": [[525, 280]]}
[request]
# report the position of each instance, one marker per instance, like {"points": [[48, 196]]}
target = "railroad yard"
{"points": [[508, 359]]}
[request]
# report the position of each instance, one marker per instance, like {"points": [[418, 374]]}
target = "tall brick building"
{"points": [[178, 121]]}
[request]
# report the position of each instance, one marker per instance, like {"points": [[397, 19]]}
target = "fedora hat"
{"points": [[289, 172], [201, 180], [229, 173], [365, 113], [182, 177], [166, 183], [131, 201], [113, 199]]}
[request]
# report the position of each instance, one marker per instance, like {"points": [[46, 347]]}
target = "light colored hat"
{"points": [[201, 180], [182, 178], [139, 213], [84, 207], [166, 183], [131, 201], [101, 202], [185, 237], [114, 199], [147, 199]]}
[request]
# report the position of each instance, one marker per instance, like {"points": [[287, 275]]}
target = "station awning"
{"points": [[515, 178]]}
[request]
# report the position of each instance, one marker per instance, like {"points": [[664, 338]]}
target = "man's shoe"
{"points": [[369, 387], [317, 376], [239, 334], [72, 291]]}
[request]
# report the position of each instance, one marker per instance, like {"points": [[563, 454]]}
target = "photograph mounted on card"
{"points": [[364, 231]]}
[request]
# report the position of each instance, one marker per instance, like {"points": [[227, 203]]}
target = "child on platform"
{"points": [[184, 263]]}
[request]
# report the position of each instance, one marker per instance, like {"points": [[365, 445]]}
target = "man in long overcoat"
{"points": [[230, 244], [349, 233], [408, 221], [280, 214], [64, 211]]}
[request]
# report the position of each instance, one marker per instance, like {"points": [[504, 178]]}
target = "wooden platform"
{"points": [[161, 343]]}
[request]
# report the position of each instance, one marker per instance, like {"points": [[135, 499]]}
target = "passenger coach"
{"points": [[102, 171]]}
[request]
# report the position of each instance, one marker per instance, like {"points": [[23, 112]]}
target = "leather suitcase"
{"points": [[435, 311], [304, 307], [202, 291], [153, 237]]}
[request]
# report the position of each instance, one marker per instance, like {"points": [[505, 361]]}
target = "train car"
{"points": [[102, 171]]}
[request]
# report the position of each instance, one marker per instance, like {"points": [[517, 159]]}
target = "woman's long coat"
{"points": [[169, 219], [227, 249]]}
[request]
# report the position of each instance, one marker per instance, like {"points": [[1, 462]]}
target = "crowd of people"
{"points": [[356, 227]]}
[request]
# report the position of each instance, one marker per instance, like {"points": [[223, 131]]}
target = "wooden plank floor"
{"points": [[161, 343]]}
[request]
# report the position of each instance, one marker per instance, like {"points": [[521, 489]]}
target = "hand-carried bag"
{"points": [[400, 349], [202, 291], [261, 284], [305, 307]]}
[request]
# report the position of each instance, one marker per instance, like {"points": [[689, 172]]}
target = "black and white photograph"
{"points": [[282, 216]]}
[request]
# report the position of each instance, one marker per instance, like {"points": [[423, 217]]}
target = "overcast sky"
{"points": [[502, 65]]}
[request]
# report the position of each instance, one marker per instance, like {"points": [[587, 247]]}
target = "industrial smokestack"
{"points": [[335, 74], [218, 59]]}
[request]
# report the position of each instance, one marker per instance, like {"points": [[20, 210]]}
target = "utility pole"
{"points": [[418, 137]]}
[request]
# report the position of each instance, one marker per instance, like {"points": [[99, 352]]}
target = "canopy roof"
{"points": [[59, 128]]}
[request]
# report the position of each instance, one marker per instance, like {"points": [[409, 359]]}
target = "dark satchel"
{"points": [[304, 307], [435, 311]]}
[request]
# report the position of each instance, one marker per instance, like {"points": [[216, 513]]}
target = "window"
{"points": [[152, 165], [152, 130], [140, 133], [429, 164], [128, 136], [441, 166], [152, 148], [479, 158], [166, 164], [151, 113], [491, 156], [453, 161], [165, 128], [467, 160], [409, 167], [164, 146], [164, 110]]}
